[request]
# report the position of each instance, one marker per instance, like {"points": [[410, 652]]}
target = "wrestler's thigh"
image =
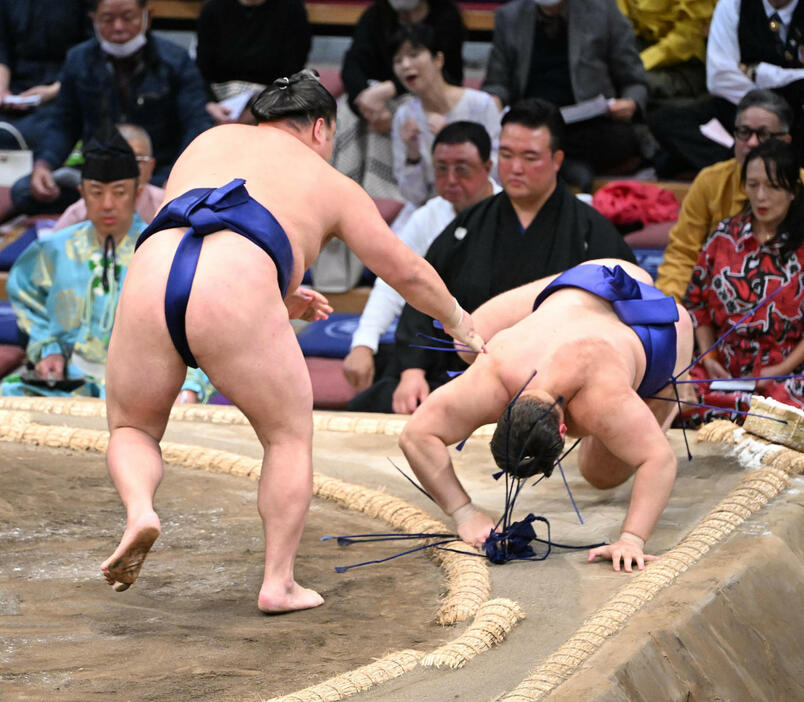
{"points": [[251, 356], [599, 466], [144, 373]]}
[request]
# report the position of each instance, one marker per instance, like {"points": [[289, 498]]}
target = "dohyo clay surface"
{"points": [[718, 616]]}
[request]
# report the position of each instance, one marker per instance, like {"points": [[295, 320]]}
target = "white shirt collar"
{"points": [[786, 13]]}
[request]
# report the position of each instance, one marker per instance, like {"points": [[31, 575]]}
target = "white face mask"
{"points": [[404, 5], [125, 49]]}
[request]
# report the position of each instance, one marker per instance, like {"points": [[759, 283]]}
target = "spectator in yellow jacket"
{"points": [[671, 36], [716, 192]]}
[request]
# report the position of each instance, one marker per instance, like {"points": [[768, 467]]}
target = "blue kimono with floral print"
{"points": [[57, 290]]}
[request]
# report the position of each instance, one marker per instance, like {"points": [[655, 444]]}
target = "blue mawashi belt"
{"points": [[205, 211], [648, 311]]}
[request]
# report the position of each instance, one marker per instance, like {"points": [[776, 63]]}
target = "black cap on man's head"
{"points": [[108, 157]]}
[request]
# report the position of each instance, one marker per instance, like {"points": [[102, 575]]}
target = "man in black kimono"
{"points": [[534, 228]]}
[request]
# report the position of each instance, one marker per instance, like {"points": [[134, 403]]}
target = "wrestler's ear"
{"points": [[558, 159], [320, 131]]}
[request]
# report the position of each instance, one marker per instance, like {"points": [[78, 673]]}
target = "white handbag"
{"points": [[336, 269], [14, 163]]}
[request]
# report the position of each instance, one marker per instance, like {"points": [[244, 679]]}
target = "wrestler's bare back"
{"points": [[284, 175], [569, 355]]}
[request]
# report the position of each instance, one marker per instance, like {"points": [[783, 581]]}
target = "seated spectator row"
{"points": [[403, 80], [627, 56]]}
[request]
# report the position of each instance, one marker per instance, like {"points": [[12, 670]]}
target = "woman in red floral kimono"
{"points": [[747, 258]]}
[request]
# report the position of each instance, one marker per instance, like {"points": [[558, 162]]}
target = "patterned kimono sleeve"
{"points": [[696, 297], [197, 381], [29, 284]]}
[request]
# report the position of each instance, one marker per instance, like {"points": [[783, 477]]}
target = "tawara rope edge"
{"points": [[756, 488], [467, 577], [753, 492]]}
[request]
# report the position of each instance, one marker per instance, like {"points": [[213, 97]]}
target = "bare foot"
{"points": [[123, 566], [274, 600]]}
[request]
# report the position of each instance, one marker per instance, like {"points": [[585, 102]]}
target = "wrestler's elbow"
{"points": [[662, 466], [408, 280]]}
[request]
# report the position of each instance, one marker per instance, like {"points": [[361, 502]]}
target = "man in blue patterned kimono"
{"points": [[65, 287]]}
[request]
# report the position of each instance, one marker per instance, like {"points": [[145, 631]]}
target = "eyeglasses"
{"points": [[461, 170], [108, 19], [745, 133]]}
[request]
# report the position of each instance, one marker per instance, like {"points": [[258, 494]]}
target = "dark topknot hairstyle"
{"points": [[781, 167], [528, 441], [534, 113], [419, 36], [770, 102], [300, 99], [462, 131]]}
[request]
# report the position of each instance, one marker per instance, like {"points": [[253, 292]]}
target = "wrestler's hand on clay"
{"points": [[461, 328], [309, 305], [473, 525], [50, 367], [358, 367], [628, 549]]}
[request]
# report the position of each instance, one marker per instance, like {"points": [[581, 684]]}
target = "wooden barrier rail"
{"points": [[336, 13]]}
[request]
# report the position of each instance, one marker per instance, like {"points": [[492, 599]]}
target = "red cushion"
{"points": [[10, 358], [331, 80], [388, 208], [651, 236], [330, 389]]}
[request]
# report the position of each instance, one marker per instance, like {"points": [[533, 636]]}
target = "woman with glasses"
{"points": [[748, 258], [717, 191], [433, 103]]}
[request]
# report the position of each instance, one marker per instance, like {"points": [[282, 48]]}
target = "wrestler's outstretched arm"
{"points": [[505, 310], [447, 416], [512, 306], [625, 439], [365, 232]]}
